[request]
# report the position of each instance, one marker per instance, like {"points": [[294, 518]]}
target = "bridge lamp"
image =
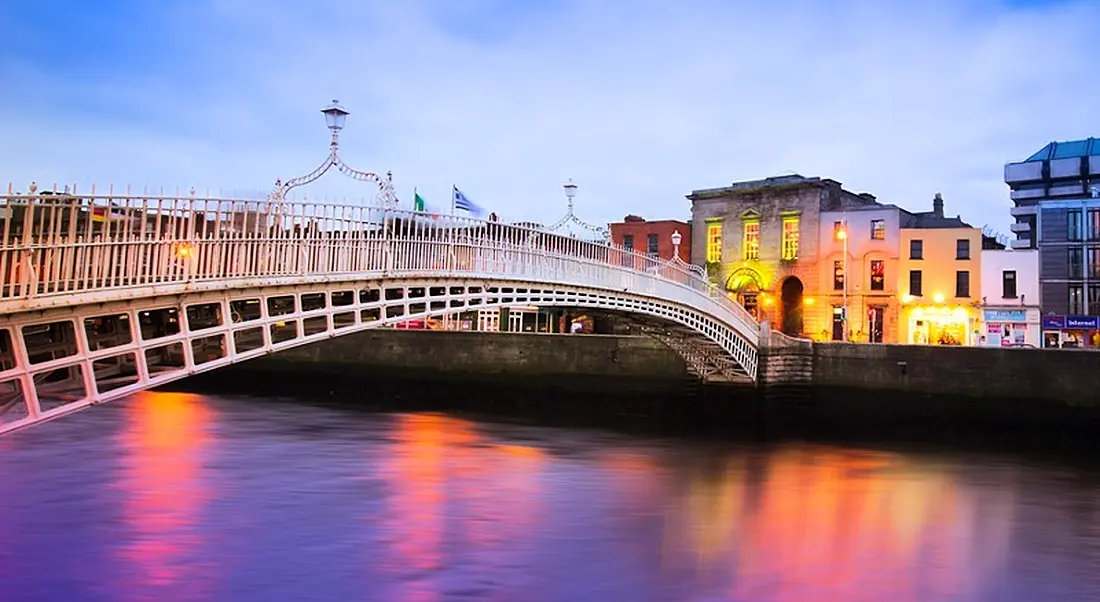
{"points": [[842, 236], [183, 251], [676, 238], [335, 115], [570, 189]]}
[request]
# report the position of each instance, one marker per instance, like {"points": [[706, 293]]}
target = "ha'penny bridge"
{"points": [[104, 295]]}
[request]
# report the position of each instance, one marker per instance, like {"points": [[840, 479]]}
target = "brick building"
{"points": [[652, 238], [759, 240]]}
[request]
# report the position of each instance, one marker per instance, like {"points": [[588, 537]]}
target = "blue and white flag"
{"points": [[465, 204]]}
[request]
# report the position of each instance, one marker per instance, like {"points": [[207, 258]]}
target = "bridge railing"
{"points": [[62, 244]]}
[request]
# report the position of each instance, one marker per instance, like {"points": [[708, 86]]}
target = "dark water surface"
{"points": [[175, 497]]}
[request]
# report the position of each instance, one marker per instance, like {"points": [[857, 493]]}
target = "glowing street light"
{"points": [[842, 235]]}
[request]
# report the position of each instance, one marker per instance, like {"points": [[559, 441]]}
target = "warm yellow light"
{"points": [[183, 251], [841, 234], [768, 300], [938, 297], [959, 314], [907, 298], [808, 301]]}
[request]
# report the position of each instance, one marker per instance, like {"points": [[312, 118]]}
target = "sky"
{"points": [[638, 102]]}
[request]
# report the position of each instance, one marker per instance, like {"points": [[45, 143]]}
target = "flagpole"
{"points": [[454, 193]]}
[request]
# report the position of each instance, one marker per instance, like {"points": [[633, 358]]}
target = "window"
{"points": [[1073, 224], [1075, 261], [790, 238], [838, 227], [916, 249], [1076, 299], [1094, 262], [915, 283], [962, 283], [1008, 284], [838, 275], [878, 275], [750, 245], [628, 242], [878, 229], [651, 244], [962, 248], [1094, 300], [1093, 224], [714, 242]]}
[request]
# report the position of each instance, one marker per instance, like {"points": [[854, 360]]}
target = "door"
{"points": [[838, 323], [875, 323]]}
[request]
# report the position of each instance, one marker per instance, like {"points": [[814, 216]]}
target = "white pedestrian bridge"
{"points": [[105, 295]]}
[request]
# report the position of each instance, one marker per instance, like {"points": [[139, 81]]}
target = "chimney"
{"points": [[937, 206]]}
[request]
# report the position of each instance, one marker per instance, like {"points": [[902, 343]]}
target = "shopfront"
{"points": [[1010, 327], [1071, 332], [941, 325]]}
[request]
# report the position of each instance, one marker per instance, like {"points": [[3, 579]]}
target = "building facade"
{"points": [[652, 238], [1056, 198], [760, 242], [1010, 298], [858, 273], [940, 279]]}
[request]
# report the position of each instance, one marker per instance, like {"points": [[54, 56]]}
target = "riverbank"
{"points": [[852, 393]]}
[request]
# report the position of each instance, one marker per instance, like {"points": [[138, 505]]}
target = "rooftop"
{"points": [[1064, 150]]}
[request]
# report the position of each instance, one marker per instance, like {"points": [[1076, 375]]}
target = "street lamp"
{"points": [[676, 238], [842, 234]]}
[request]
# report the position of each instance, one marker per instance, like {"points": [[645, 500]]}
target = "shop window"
{"points": [[751, 241], [790, 238], [878, 275], [962, 248], [916, 249], [838, 275], [714, 242], [962, 284], [915, 283], [1008, 284], [878, 229]]}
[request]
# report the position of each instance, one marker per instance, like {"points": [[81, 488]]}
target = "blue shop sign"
{"points": [[1082, 322], [1006, 315], [1054, 322]]}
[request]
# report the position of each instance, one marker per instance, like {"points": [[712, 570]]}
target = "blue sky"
{"points": [[639, 102]]}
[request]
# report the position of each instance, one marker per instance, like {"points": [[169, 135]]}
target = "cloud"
{"points": [[638, 102]]}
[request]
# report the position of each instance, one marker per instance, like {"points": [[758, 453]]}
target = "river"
{"points": [[179, 497]]}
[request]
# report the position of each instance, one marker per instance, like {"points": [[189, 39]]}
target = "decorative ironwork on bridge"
{"points": [[335, 116]]}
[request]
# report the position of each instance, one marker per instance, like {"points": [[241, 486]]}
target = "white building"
{"points": [[1010, 298]]}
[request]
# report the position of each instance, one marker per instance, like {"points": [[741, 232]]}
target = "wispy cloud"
{"points": [[639, 102]]}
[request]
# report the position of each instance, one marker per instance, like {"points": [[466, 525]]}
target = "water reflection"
{"points": [[164, 442], [179, 497]]}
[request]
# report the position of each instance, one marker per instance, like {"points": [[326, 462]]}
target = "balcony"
{"points": [[1031, 171], [1069, 167], [1094, 165], [1067, 189], [1020, 243], [1028, 193], [1019, 227], [1024, 211]]}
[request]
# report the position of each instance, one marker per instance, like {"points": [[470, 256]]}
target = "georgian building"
{"points": [[760, 242], [654, 238]]}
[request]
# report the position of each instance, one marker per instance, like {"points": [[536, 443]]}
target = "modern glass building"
{"points": [[1056, 197]]}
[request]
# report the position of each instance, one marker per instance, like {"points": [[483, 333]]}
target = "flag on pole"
{"points": [[460, 201], [418, 201]]}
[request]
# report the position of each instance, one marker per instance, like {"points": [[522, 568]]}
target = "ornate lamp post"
{"points": [[335, 116], [676, 238], [570, 188]]}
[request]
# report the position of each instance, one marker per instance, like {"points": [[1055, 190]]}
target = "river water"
{"points": [[178, 497]]}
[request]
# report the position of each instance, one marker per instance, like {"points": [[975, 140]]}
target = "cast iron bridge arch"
{"points": [[103, 296]]}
